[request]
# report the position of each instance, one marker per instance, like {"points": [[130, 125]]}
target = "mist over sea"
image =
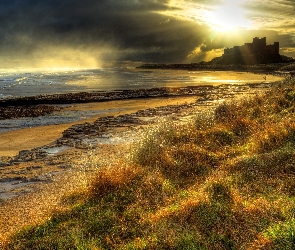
{"points": [[22, 83]]}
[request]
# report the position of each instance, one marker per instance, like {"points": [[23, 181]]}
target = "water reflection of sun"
{"points": [[227, 17]]}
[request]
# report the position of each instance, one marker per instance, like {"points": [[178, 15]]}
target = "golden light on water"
{"points": [[227, 17]]}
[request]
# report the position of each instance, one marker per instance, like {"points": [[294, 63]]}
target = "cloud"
{"points": [[92, 32], [136, 30]]}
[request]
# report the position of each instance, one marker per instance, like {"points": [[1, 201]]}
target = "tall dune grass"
{"points": [[224, 180]]}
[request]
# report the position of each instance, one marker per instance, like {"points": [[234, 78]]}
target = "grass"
{"points": [[224, 180]]}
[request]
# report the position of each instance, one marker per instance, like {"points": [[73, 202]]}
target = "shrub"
{"points": [[226, 112], [149, 150], [282, 235], [204, 120], [220, 193], [274, 135], [184, 164], [221, 137], [108, 180]]}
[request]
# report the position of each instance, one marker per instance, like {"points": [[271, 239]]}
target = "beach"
{"points": [[29, 138], [38, 163], [31, 130]]}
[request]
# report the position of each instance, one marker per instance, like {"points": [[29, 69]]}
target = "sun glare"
{"points": [[227, 17]]}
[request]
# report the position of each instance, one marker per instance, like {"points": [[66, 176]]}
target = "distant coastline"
{"points": [[272, 68], [255, 57]]}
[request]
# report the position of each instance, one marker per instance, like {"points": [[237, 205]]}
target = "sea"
{"points": [[20, 83]]}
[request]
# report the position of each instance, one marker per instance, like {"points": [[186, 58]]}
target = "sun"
{"points": [[227, 17]]}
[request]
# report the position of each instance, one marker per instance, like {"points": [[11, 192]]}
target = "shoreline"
{"points": [[29, 132], [40, 105], [29, 138], [116, 95], [173, 85], [268, 68]]}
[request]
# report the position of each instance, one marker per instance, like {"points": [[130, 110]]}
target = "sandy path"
{"points": [[25, 139]]}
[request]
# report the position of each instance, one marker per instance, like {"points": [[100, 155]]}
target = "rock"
{"points": [[36, 167], [24, 153], [5, 160], [26, 111], [41, 178], [4, 164], [11, 179], [64, 167]]}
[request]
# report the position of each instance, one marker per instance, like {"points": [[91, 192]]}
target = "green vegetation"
{"points": [[224, 180]]}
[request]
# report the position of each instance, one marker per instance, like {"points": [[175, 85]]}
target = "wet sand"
{"points": [[28, 138]]}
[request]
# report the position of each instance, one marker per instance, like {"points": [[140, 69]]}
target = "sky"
{"points": [[101, 33]]}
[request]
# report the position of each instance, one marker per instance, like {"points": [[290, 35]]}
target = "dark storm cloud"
{"points": [[135, 28]]}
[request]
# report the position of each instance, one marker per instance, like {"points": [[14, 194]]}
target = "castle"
{"points": [[256, 52]]}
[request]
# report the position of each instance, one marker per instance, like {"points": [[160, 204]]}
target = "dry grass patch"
{"points": [[108, 180]]}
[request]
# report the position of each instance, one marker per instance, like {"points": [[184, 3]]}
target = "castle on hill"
{"points": [[257, 52]]}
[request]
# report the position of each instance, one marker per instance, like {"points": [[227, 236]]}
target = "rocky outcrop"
{"points": [[101, 126], [26, 111], [97, 96], [45, 104]]}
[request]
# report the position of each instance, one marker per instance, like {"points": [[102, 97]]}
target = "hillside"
{"points": [[222, 180]]}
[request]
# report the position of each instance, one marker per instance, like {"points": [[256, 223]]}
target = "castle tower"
{"points": [[277, 47]]}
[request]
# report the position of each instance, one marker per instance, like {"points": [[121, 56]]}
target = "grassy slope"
{"points": [[225, 180]]}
